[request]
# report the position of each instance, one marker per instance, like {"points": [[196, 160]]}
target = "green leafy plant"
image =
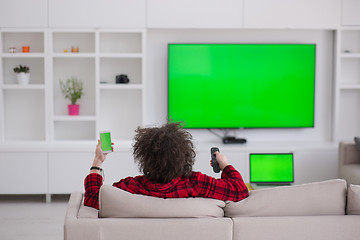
{"points": [[21, 69], [72, 89]]}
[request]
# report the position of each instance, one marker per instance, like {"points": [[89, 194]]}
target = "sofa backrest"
{"points": [[117, 203], [353, 200], [312, 199]]}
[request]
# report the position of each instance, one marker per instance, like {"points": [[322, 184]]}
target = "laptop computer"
{"points": [[271, 168]]}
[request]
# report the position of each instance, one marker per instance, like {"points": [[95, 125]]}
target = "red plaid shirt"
{"points": [[230, 187]]}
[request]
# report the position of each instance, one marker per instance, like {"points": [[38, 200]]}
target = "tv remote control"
{"points": [[215, 164]]}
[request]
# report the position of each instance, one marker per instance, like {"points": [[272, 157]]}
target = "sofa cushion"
{"points": [[117, 203], [164, 229], [353, 200], [320, 198], [297, 228]]}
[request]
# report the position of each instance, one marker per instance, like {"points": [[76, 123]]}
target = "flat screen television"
{"points": [[242, 85], [271, 168]]}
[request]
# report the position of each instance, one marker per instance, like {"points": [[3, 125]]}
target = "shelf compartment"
{"points": [[120, 42], [74, 130], [350, 71], [350, 41], [66, 40], [121, 55], [350, 87], [110, 67], [349, 118], [18, 39], [74, 118], [120, 112], [84, 69], [350, 55], [121, 86], [36, 65], [24, 87], [24, 115], [74, 55], [23, 55]]}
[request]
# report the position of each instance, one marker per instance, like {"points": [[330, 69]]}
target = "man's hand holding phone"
{"points": [[103, 147], [105, 139]]}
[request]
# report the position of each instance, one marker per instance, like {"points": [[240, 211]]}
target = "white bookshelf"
{"points": [[38, 111], [121, 106], [347, 84], [23, 111]]}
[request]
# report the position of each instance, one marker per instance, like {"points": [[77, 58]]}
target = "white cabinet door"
{"points": [[23, 173], [23, 13], [121, 13], [194, 14], [72, 13], [94, 13], [350, 12], [308, 14], [67, 171]]}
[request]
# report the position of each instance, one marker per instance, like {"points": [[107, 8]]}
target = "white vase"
{"points": [[23, 78]]}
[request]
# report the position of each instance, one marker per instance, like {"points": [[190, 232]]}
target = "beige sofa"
{"points": [[323, 210]]}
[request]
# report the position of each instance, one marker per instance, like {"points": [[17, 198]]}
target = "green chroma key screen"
{"points": [[241, 85], [271, 168]]}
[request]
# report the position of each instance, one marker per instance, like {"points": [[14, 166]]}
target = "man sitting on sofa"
{"points": [[165, 156]]}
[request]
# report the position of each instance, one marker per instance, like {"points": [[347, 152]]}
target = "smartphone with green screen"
{"points": [[105, 138]]}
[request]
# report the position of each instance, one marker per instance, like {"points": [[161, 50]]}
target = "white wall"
{"points": [[156, 108]]}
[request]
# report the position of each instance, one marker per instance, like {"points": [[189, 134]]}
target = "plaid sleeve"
{"points": [[230, 187], [92, 185]]}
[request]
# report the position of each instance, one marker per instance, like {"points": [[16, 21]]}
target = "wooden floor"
{"points": [[31, 218]]}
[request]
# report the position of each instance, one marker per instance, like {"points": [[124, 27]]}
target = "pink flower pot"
{"points": [[73, 109]]}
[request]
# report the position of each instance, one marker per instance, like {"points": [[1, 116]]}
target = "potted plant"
{"points": [[22, 74], [72, 89]]}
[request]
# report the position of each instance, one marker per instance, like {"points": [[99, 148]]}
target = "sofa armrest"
{"points": [[348, 154], [73, 206], [76, 228]]}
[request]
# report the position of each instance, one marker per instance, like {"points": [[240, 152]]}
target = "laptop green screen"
{"points": [[271, 168]]}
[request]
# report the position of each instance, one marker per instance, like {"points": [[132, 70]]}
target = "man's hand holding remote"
{"points": [[222, 160]]}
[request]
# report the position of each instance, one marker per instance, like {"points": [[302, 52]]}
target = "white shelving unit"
{"points": [[121, 105], [66, 64], [38, 111], [35, 128], [23, 111], [347, 84]]}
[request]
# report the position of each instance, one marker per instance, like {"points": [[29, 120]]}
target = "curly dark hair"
{"points": [[164, 153]]}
